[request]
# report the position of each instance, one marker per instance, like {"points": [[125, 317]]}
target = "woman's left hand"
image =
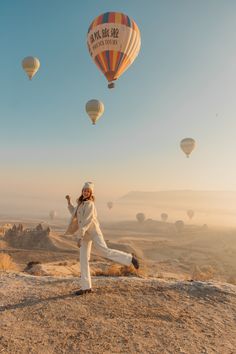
{"points": [[79, 243]]}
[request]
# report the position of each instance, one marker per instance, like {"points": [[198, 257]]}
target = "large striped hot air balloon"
{"points": [[113, 42]]}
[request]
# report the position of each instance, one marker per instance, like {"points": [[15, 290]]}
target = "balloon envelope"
{"points": [[95, 109], [164, 217], [52, 214], [140, 217], [114, 42], [187, 145], [31, 65], [190, 214], [110, 205], [179, 224]]}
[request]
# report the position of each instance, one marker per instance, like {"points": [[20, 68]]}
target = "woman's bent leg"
{"points": [[114, 255], [85, 250]]}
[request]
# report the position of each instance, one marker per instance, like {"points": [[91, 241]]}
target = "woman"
{"points": [[89, 231]]}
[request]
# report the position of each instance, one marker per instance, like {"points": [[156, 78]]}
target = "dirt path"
{"points": [[124, 315]]}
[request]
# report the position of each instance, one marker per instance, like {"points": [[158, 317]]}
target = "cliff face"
{"points": [[124, 315]]}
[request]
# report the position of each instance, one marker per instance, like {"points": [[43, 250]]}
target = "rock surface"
{"points": [[124, 315]]}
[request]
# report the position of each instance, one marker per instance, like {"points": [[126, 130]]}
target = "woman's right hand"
{"points": [[68, 198]]}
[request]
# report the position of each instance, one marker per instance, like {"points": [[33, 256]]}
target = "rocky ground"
{"points": [[124, 315]]}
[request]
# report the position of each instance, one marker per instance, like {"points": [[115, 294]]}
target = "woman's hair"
{"points": [[81, 198]]}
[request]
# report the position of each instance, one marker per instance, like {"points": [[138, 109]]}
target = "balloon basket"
{"points": [[111, 85]]}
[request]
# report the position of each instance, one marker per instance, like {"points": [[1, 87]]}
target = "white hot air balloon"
{"points": [[140, 217], [31, 65], [179, 224], [52, 214], [110, 205], [187, 145], [190, 213], [164, 217], [95, 110]]}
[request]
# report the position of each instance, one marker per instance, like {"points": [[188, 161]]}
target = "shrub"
{"points": [[203, 273], [6, 262], [116, 270], [232, 280]]}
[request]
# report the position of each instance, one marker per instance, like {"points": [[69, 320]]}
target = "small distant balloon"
{"points": [[110, 205], [31, 65], [190, 214], [164, 217], [187, 145], [140, 217], [179, 224], [52, 214], [95, 110], [204, 227]]}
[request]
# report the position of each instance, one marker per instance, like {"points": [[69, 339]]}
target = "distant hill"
{"points": [[218, 201]]}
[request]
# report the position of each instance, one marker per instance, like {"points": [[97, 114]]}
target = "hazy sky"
{"points": [[182, 84]]}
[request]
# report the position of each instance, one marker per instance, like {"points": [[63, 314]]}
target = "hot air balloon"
{"points": [[204, 227], [187, 145], [179, 224], [140, 217], [110, 205], [114, 42], [31, 66], [190, 214], [52, 214], [164, 217], [95, 110]]}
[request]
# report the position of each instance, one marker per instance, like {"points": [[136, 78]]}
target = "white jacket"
{"points": [[87, 218]]}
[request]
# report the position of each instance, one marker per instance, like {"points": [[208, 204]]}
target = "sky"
{"points": [[182, 84]]}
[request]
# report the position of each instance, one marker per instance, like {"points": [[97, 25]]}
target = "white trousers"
{"points": [[104, 251]]}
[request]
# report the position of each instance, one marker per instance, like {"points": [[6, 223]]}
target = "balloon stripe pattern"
{"points": [[31, 66], [113, 17], [113, 42]]}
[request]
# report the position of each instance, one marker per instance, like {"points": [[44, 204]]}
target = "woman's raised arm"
{"points": [[71, 207]]}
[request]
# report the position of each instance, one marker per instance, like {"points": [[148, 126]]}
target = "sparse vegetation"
{"points": [[203, 273], [35, 268], [232, 280], [30, 265], [160, 275], [6, 262], [63, 264], [116, 270]]}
